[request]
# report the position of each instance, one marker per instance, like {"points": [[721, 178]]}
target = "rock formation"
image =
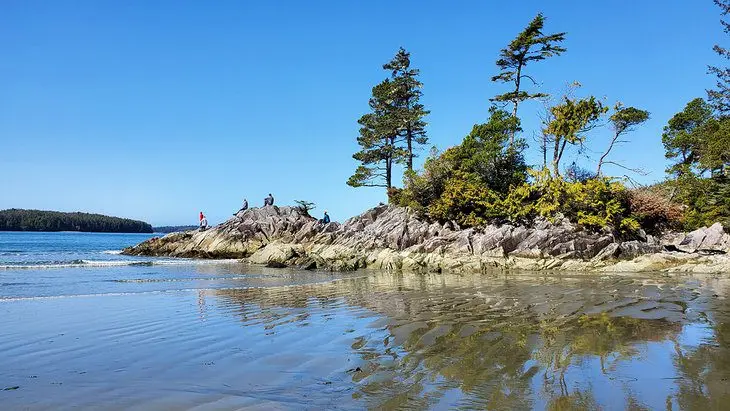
{"points": [[394, 238]]}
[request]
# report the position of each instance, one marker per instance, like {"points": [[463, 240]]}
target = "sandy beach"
{"points": [[373, 340]]}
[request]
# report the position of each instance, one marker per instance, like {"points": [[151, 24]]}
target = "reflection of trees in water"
{"points": [[490, 338], [704, 370]]}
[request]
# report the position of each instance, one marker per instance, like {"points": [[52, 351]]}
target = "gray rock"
{"points": [[715, 239], [394, 238]]}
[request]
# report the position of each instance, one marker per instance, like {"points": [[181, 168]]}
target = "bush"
{"points": [[467, 201], [654, 210], [594, 203]]}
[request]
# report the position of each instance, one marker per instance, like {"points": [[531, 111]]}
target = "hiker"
{"points": [[269, 200], [326, 219], [203, 222], [244, 207]]}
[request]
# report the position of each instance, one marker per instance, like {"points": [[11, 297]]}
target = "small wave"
{"points": [[177, 280], [111, 263], [112, 252]]}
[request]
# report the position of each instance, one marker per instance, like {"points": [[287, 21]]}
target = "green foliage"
{"points": [[684, 134], [467, 201], [707, 199], [594, 203], [37, 220], [305, 206], [570, 121], [409, 112], [720, 96], [483, 163], [423, 189], [624, 118], [487, 154], [531, 45], [378, 133], [699, 142], [394, 126]]}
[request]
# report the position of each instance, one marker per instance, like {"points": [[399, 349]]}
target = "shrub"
{"points": [[594, 203], [467, 201], [654, 210]]}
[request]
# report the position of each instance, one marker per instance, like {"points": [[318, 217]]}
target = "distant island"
{"points": [[173, 228], [38, 220]]}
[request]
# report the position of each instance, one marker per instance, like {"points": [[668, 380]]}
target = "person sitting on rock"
{"points": [[244, 207], [203, 222], [326, 218], [269, 200]]}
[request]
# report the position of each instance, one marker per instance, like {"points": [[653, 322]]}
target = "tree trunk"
{"points": [[543, 148], [603, 157], [516, 101], [558, 154], [409, 139], [556, 157], [388, 173]]}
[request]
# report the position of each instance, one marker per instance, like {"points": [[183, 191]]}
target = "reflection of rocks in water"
{"points": [[494, 341]]}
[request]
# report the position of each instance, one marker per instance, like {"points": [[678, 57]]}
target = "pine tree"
{"points": [[720, 97], [530, 45], [408, 110], [379, 139]]}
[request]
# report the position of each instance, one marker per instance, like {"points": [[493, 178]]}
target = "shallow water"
{"points": [[228, 336]]}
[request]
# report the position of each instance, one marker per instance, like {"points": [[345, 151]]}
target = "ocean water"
{"points": [[81, 264], [83, 327]]}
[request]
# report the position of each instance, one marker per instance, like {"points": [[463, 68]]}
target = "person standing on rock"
{"points": [[244, 207], [203, 222], [269, 200]]}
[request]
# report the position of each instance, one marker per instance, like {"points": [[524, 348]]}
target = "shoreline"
{"points": [[394, 238]]}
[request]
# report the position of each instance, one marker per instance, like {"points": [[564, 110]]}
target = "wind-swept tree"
{"points": [[408, 110], [531, 45], [720, 96], [623, 121], [379, 139], [571, 120]]}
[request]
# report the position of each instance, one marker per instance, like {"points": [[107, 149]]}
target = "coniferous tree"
{"points": [[379, 139], [684, 134], [720, 97], [408, 110], [531, 45]]}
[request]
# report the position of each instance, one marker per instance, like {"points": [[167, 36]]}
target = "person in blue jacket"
{"points": [[326, 219]]}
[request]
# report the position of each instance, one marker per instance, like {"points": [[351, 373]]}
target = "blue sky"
{"points": [[159, 109]]}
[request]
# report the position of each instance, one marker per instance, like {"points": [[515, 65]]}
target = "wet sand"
{"points": [[377, 340]]}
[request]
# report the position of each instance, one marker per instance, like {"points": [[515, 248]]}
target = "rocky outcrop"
{"points": [[394, 238]]}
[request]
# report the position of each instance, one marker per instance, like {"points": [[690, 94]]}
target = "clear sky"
{"points": [[156, 110]]}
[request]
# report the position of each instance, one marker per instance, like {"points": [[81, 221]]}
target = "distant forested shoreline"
{"points": [[38, 220]]}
